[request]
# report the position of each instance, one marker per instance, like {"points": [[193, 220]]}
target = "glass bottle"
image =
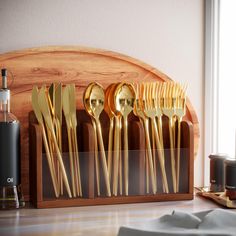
{"points": [[10, 188]]}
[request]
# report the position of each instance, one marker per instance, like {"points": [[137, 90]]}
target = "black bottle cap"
{"points": [[4, 72]]}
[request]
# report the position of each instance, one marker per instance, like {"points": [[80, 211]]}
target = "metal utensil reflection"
{"points": [[94, 104], [124, 103]]}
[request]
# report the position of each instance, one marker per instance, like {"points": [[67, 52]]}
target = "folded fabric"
{"points": [[215, 222]]}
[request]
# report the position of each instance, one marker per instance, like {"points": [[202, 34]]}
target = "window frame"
{"points": [[212, 29]]}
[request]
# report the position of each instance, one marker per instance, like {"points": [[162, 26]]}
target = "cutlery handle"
{"points": [[172, 154], [120, 160], [71, 160], [154, 153], [77, 163], [116, 154], [161, 158], [110, 142], [103, 157], [178, 152], [59, 176], [96, 157], [147, 171], [149, 152], [59, 156], [126, 156], [49, 159], [159, 124]]}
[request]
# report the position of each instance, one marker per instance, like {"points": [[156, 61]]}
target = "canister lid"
{"points": [[230, 162], [221, 156]]}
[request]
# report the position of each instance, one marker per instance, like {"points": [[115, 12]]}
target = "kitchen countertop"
{"points": [[93, 220]]}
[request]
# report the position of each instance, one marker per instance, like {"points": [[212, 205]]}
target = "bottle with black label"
{"points": [[10, 188]]}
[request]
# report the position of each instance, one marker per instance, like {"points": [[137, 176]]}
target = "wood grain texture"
{"points": [[71, 64]]}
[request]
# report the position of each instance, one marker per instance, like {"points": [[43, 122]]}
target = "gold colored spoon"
{"points": [[124, 103], [117, 162], [94, 105], [97, 168], [111, 116]]}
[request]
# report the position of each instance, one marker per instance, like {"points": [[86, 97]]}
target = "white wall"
{"points": [[168, 34]]}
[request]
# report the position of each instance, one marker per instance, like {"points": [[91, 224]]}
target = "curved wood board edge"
{"points": [[72, 64]]}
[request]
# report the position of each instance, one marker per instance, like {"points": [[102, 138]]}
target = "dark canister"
{"points": [[217, 172], [10, 184], [230, 178]]}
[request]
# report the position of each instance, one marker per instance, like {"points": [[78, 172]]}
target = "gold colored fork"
{"points": [[156, 96], [180, 111], [138, 111], [168, 110], [150, 111], [157, 101]]}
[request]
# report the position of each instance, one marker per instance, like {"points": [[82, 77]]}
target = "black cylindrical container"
{"points": [[10, 185], [217, 172], [9, 154], [230, 178]]}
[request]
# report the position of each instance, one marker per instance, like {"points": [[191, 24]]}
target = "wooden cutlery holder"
{"points": [[41, 189]]}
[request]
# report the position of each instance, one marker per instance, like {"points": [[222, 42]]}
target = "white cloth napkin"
{"points": [[215, 222]]}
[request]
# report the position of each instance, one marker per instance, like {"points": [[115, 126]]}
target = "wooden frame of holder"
{"points": [[38, 170]]}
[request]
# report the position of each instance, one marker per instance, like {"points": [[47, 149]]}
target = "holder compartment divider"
{"points": [[40, 182]]}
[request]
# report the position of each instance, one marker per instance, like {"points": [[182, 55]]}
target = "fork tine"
{"points": [[153, 85], [168, 93], [164, 95], [178, 96], [140, 95], [161, 96], [156, 94], [150, 95], [136, 89]]}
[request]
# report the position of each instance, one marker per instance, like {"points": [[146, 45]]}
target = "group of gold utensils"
{"points": [[149, 101], [48, 105], [153, 100], [118, 102]]}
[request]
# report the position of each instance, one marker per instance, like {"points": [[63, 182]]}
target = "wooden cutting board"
{"points": [[67, 64]]}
